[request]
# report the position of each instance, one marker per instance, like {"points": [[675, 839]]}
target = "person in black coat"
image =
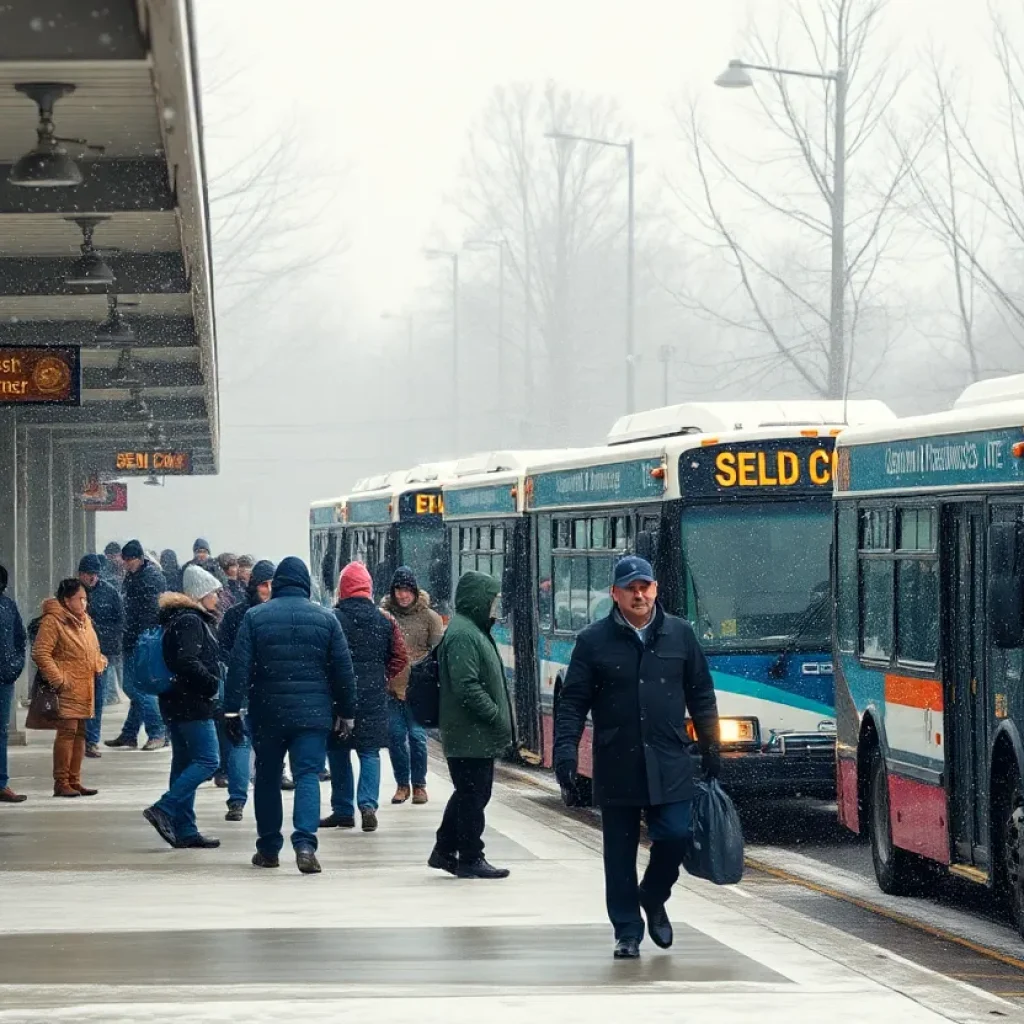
{"points": [[378, 655], [640, 674], [189, 707], [106, 609], [292, 669], [171, 570], [13, 644], [143, 584]]}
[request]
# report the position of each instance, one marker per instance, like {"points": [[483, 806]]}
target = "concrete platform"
{"points": [[100, 921]]}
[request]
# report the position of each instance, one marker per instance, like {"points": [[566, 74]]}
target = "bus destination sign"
{"points": [[40, 376], [480, 502], [605, 484], [369, 511], [745, 467], [159, 461], [420, 504]]}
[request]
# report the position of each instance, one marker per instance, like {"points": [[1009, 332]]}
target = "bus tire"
{"points": [[898, 872], [1011, 870]]}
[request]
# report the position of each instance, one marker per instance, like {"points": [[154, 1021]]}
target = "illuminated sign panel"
{"points": [[804, 465], [104, 496], [418, 504], [40, 376], [161, 462]]}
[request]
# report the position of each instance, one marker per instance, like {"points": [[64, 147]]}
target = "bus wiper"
{"points": [[803, 627]]}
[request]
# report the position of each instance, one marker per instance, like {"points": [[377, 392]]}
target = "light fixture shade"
{"points": [[136, 408], [91, 270], [47, 165], [115, 330], [151, 480], [734, 77]]}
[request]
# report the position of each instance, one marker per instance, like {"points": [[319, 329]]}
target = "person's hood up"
{"points": [[392, 607], [171, 604], [51, 606], [291, 575], [405, 579], [355, 582], [3, 578], [474, 596], [169, 560]]}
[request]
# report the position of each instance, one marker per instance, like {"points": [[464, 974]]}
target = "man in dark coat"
{"points": [[12, 662], [640, 674], [476, 726], [143, 584], [189, 707], [201, 557], [233, 773], [291, 667], [106, 610], [378, 655]]}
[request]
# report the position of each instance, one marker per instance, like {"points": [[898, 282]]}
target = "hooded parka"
{"points": [[67, 652]]}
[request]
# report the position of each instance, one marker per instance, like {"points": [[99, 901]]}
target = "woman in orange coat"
{"points": [[67, 652]]}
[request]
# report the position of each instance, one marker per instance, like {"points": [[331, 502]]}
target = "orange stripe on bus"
{"points": [[914, 693]]}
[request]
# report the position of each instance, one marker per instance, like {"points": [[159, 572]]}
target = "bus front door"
{"points": [[966, 718]]}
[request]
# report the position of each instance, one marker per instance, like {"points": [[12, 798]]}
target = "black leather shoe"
{"points": [[443, 862], [306, 860], [120, 741], [627, 949], [659, 927], [264, 860], [234, 811], [161, 821], [338, 821], [197, 842], [220, 780], [481, 869]]}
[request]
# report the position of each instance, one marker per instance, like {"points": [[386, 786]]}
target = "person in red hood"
{"points": [[378, 655]]}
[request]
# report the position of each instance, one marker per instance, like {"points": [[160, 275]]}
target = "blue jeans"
{"points": [[306, 749], [234, 763], [194, 758], [343, 783], [144, 707], [105, 682], [6, 700], [407, 744]]}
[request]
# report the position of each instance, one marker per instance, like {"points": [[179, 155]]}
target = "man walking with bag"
{"points": [[640, 674]]}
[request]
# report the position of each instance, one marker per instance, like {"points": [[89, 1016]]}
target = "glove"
{"points": [[234, 729], [565, 772], [711, 761], [343, 728]]}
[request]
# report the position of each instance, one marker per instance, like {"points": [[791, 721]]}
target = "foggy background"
{"points": [[345, 139]]}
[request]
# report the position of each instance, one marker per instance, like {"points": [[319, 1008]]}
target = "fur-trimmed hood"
{"points": [[173, 604], [390, 605]]}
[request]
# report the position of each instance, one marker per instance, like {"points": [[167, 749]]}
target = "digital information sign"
{"points": [[741, 468], [160, 461], [40, 376]]}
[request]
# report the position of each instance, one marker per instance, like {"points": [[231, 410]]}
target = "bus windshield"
{"points": [[423, 550], [756, 574]]}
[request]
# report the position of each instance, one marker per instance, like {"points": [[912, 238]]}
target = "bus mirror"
{"points": [[1006, 584], [647, 545]]}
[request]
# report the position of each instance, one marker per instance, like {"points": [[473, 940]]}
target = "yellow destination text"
{"points": [[773, 469]]}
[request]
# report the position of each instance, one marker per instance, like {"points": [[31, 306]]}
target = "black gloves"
{"points": [[711, 761], [234, 729], [342, 730], [565, 772]]}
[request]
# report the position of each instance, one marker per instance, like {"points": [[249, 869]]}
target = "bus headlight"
{"points": [[733, 731]]}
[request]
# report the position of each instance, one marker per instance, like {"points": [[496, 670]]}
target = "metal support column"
{"points": [[39, 530], [79, 543], [9, 532], [90, 531]]}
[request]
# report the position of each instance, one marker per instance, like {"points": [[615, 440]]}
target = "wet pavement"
{"points": [[99, 920]]}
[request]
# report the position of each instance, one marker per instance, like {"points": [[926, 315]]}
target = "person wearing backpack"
{"points": [[476, 726], [67, 653], [189, 706]]}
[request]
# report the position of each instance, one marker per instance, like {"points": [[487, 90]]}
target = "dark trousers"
{"points": [[669, 829], [462, 827]]}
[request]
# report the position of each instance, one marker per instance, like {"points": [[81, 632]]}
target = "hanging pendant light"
{"points": [[46, 164], [91, 270]]}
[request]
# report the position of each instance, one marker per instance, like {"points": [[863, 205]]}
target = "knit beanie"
{"points": [[201, 544], [404, 579], [90, 564], [197, 583], [262, 572], [133, 549]]}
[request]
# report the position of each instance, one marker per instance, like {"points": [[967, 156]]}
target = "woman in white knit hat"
{"points": [[189, 707]]}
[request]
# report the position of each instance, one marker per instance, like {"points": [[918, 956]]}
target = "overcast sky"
{"points": [[381, 95]]}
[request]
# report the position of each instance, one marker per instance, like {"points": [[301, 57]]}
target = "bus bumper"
{"points": [[810, 771]]}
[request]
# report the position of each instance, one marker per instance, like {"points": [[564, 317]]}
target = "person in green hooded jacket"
{"points": [[476, 726]]}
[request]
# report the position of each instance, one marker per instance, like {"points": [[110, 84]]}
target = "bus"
{"points": [[386, 521], [929, 641], [732, 504]]}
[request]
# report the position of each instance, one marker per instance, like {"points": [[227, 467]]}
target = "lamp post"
{"points": [[735, 76], [499, 244], [447, 254], [630, 249]]}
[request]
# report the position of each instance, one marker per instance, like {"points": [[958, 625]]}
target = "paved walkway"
{"points": [[100, 921]]}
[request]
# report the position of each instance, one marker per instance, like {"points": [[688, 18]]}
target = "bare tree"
{"points": [[742, 205]]}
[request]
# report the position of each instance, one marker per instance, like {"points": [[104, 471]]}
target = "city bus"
{"points": [[386, 521], [929, 641], [732, 504]]}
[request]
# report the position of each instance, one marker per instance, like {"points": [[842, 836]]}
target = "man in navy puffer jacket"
{"points": [[292, 668]]}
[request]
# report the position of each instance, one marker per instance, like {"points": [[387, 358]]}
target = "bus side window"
{"points": [[544, 595], [846, 577]]}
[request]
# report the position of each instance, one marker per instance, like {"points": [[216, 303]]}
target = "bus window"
{"points": [[599, 600], [329, 566], [544, 604], [599, 533], [579, 594], [620, 533], [876, 583], [846, 582], [917, 587], [561, 595]]}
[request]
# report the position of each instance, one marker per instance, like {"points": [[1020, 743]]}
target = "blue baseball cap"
{"points": [[630, 569]]}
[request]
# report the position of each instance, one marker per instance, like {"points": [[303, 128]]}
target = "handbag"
{"points": [[44, 705]]}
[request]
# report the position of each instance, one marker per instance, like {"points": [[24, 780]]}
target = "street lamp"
{"points": [[447, 254], [566, 137], [736, 76], [476, 245]]}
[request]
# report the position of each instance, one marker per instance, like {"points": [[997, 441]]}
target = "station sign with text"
{"points": [[161, 461], [40, 376]]}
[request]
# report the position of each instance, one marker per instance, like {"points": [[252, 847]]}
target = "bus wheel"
{"points": [[899, 872], [1013, 850]]}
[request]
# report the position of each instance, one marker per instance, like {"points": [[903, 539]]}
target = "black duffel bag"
{"points": [[423, 694]]}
